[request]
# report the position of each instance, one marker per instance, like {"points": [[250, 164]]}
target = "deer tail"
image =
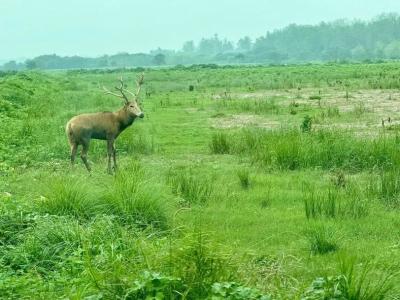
{"points": [[69, 132]]}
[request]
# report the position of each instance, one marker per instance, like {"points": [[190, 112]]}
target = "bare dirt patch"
{"points": [[244, 120]]}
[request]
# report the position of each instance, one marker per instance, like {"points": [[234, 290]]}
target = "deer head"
{"points": [[131, 105]]}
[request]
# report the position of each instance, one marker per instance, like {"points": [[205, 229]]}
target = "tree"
{"points": [[244, 44], [30, 64], [10, 66], [159, 59], [188, 47], [359, 52], [393, 50]]}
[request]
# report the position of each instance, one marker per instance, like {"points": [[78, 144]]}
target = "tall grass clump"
{"points": [[355, 282], [365, 283], [200, 264], [244, 177], [326, 149], [45, 246], [193, 188], [135, 200], [321, 204], [306, 125], [387, 187], [67, 196], [138, 144], [321, 239], [335, 203], [220, 143]]}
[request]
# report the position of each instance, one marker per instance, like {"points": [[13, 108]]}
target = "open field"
{"points": [[280, 181]]}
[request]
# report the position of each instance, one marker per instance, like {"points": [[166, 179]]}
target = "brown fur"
{"points": [[103, 126]]}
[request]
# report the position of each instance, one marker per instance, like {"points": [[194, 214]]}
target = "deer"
{"points": [[104, 125]]}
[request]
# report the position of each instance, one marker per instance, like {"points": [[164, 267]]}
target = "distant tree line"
{"points": [[340, 40]]}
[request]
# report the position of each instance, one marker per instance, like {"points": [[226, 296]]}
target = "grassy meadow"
{"points": [[279, 182]]}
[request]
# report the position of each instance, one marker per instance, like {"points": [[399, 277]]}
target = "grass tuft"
{"points": [[193, 188], [244, 177], [220, 143], [67, 197], [134, 200], [322, 240]]}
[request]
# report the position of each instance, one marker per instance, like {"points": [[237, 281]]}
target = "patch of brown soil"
{"points": [[244, 120]]}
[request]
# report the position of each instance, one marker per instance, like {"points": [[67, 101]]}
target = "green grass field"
{"points": [[261, 183]]}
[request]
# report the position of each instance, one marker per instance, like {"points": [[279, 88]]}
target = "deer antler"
{"points": [[139, 83], [107, 91], [121, 89]]}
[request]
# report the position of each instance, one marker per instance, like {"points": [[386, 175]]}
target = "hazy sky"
{"points": [[94, 27]]}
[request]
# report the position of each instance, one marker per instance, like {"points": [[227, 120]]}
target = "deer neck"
{"points": [[124, 119]]}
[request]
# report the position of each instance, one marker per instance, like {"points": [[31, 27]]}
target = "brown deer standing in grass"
{"points": [[104, 125]]}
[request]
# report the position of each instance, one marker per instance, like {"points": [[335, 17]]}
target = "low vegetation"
{"points": [[257, 183]]}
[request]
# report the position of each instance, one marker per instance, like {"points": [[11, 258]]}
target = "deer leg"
{"points": [[85, 148], [74, 149], [110, 148], [114, 157]]}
